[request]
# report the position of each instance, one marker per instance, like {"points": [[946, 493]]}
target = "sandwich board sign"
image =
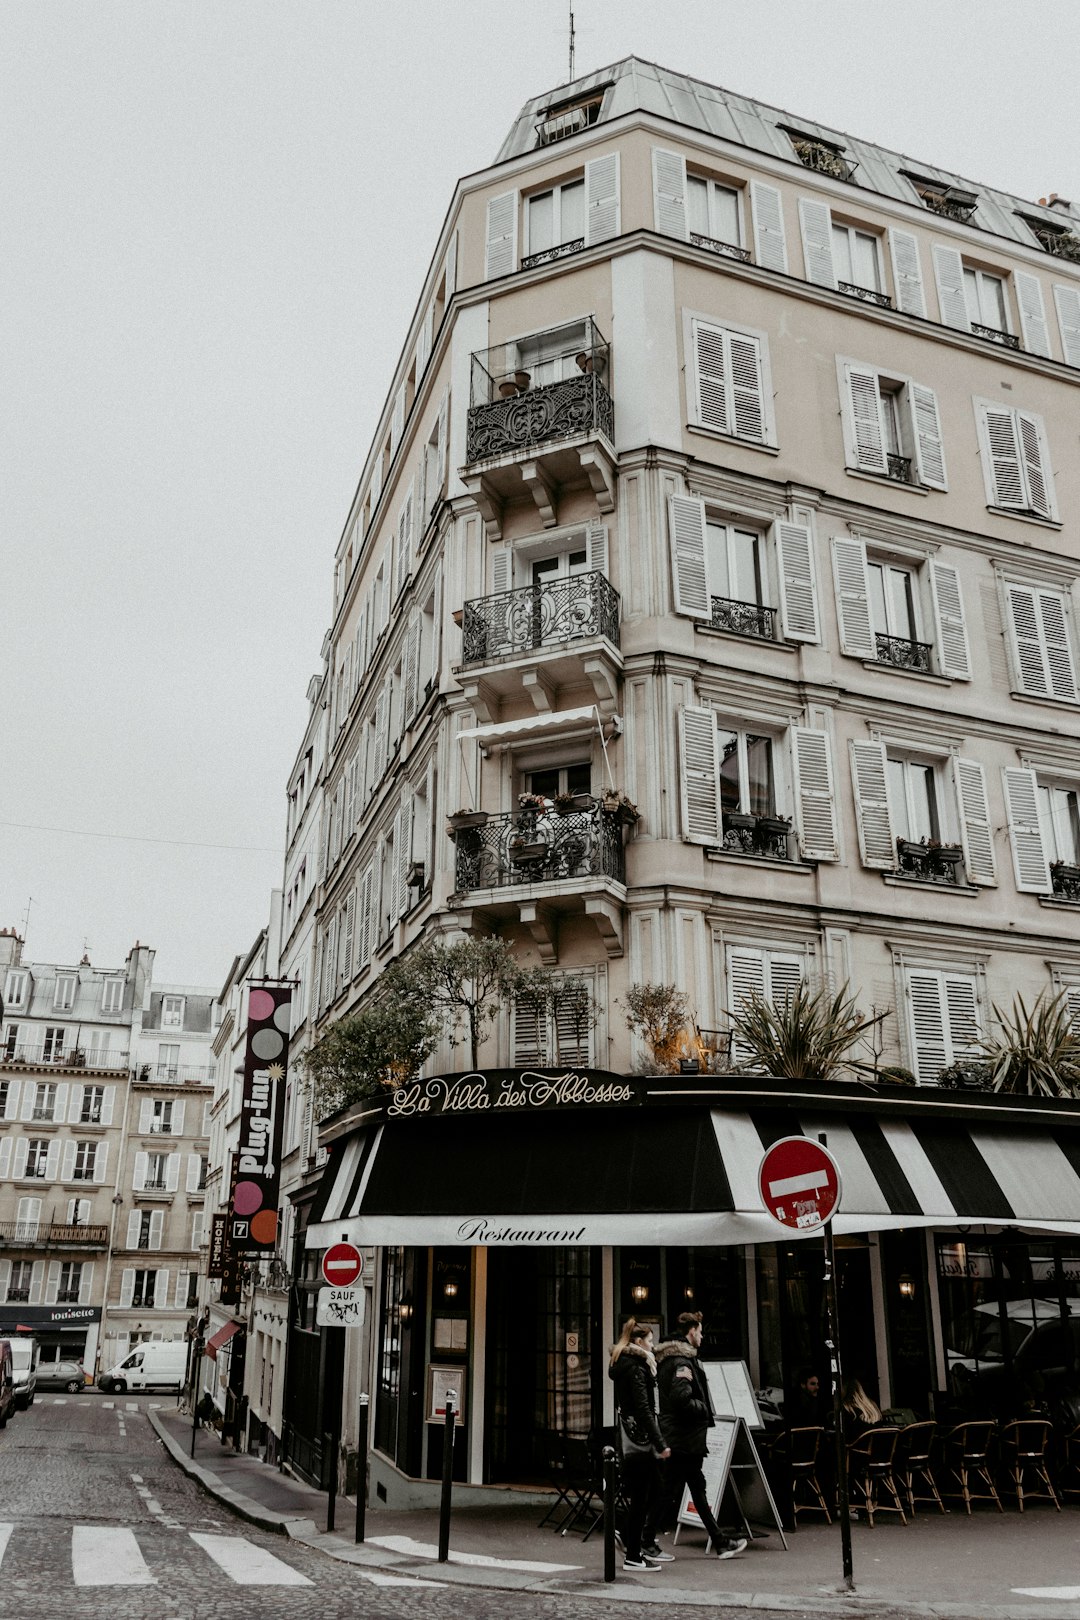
{"points": [[733, 1466]]}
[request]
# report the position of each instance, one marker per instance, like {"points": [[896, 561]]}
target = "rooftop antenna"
{"points": [[571, 78], [26, 915]]}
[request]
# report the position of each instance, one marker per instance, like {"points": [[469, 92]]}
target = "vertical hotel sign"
{"points": [[253, 1200]]}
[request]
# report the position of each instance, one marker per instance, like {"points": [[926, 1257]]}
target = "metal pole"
{"points": [[196, 1380], [833, 1346], [361, 1468], [330, 1448], [447, 1479], [609, 1512]]}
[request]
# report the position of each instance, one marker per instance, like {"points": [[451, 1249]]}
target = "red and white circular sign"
{"points": [[800, 1183], [342, 1264]]}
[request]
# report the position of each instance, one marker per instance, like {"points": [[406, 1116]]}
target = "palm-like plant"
{"points": [[1037, 1053], [807, 1035]]}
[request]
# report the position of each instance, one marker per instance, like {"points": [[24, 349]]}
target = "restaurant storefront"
{"points": [[519, 1218]]}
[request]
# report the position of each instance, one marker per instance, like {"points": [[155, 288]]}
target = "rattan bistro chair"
{"points": [[915, 1465], [797, 1451], [1024, 1445], [872, 1474], [967, 1463]]}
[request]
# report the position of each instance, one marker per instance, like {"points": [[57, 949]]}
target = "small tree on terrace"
{"points": [[657, 1014], [384, 1046], [463, 986]]}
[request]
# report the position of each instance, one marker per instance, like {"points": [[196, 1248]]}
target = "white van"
{"points": [[24, 1361], [149, 1366]]}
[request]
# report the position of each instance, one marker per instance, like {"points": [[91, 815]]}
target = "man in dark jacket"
{"points": [[686, 1416]]}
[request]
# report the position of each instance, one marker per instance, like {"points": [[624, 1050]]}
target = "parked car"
{"points": [[68, 1375], [24, 1359], [7, 1383]]}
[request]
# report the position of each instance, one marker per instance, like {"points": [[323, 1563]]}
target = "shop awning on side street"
{"points": [[222, 1336]]}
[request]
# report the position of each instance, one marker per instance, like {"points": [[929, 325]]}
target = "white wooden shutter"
{"points": [[6, 1146], [411, 662], [27, 1110], [5, 1279], [440, 471], [22, 1153], [161, 1290], [1067, 300], [157, 1223], [86, 1282], [866, 423], [52, 1160], [501, 255], [815, 802], [815, 222], [127, 1288], [926, 435], [1036, 464], [976, 833], [75, 1102], [601, 199], [699, 756], [868, 774], [747, 405], [146, 1116], [767, 212], [172, 1172], [52, 1287], [403, 850], [381, 726], [853, 598], [907, 273], [1033, 325], [107, 1102], [949, 275], [961, 1012], [364, 948], [952, 642], [784, 974], [404, 543], [1041, 643], [194, 1171], [67, 1169], [1055, 631], [178, 1118], [596, 542], [929, 1040], [1006, 477], [101, 1162], [59, 1112], [711, 359], [798, 584], [37, 1281], [530, 1034], [1025, 831], [686, 523], [1072, 1004], [450, 272], [11, 1102], [133, 1227], [669, 193], [746, 979], [139, 1179]]}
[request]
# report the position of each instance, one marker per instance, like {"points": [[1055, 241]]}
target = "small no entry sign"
{"points": [[800, 1183], [342, 1264]]}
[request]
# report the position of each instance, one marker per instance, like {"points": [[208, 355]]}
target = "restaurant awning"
{"points": [[222, 1336]]}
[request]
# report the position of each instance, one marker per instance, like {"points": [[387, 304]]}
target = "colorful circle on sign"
{"points": [[283, 1017], [260, 1005], [247, 1197], [267, 1044], [264, 1226]]}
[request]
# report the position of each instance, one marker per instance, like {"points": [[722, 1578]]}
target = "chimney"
{"points": [[10, 948]]}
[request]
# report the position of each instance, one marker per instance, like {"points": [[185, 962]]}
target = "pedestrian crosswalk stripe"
{"points": [[5, 1537], [132, 1406], [107, 1557], [59, 1401], [246, 1564], [108, 1405]]}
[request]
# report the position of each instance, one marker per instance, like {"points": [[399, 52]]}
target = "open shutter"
{"points": [[747, 410], [411, 663], [5, 1279], [403, 851], [930, 1050], [1036, 468], [194, 1171], [364, 942], [180, 1291], [67, 1169], [440, 471], [86, 1282], [601, 199], [949, 275], [926, 436], [52, 1160], [767, 212], [815, 803], [852, 598], [686, 520], [133, 1226], [907, 273], [1032, 314], [1006, 473], [952, 641], [107, 1103], [669, 193], [866, 430], [501, 256], [101, 1162], [798, 585], [876, 842], [1055, 631], [139, 1180], [37, 1281], [1026, 622], [815, 221], [146, 1116], [52, 1287], [157, 1222], [6, 1146], [172, 1172], [530, 1034], [700, 780], [22, 1153], [450, 272], [178, 1118], [961, 1013], [976, 833], [11, 1102], [60, 1102], [27, 1109], [596, 542], [127, 1288], [1067, 300], [404, 543], [161, 1290], [75, 1102], [1029, 852], [711, 360]]}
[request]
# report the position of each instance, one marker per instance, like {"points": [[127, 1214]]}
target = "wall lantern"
{"points": [[907, 1286]]}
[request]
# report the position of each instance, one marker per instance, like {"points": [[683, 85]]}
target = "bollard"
{"points": [[609, 1513], [330, 1450], [361, 1468], [447, 1479]]}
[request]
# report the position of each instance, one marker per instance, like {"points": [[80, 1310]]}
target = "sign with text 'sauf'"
{"points": [[339, 1307]]}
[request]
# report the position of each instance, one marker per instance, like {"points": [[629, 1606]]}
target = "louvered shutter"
{"points": [[1072, 1005], [1067, 300], [949, 275], [785, 973], [67, 1169], [876, 842], [52, 1287], [6, 1146], [767, 212], [172, 1172], [37, 1281], [11, 1102], [107, 1105], [133, 1228], [101, 1161], [815, 221], [381, 722], [501, 256], [596, 541], [161, 1289], [27, 1110], [976, 833], [157, 1223], [178, 1118], [450, 273], [404, 854], [1032, 314], [798, 585], [444, 431], [1026, 621], [952, 641], [194, 1171], [404, 543], [700, 778], [411, 661], [52, 1160], [669, 193], [1025, 831], [1055, 633], [926, 436], [866, 429], [1006, 472], [139, 1179], [711, 359], [22, 1153], [907, 273], [601, 199], [59, 1112], [1036, 469], [962, 1013], [86, 1282], [127, 1288], [815, 803], [746, 979], [747, 409], [146, 1116], [5, 1279], [364, 943], [929, 1039], [530, 1034], [686, 522], [852, 598], [75, 1102]]}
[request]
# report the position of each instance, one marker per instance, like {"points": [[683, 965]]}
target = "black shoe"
{"points": [[727, 1549], [657, 1552], [640, 1566]]}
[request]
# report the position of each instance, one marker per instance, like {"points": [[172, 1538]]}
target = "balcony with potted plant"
{"points": [[766, 836], [1065, 880], [927, 860]]}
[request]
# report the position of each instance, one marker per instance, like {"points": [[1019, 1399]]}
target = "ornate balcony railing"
{"points": [[869, 295], [1065, 880], [544, 615], [174, 1074], [955, 208], [530, 846], [726, 250], [69, 1058], [942, 863], [902, 653], [556, 410], [757, 835], [49, 1234], [822, 157], [549, 255], [1007, 340], [900, 468], [743, 618]]}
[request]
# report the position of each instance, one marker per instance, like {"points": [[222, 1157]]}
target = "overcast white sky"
{"points": [[215, 221]]}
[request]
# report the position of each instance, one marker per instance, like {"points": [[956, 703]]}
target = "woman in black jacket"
{"points": [[633, 1372]]}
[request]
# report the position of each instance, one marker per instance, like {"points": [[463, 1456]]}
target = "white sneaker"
{"points": [[640, 1566]]}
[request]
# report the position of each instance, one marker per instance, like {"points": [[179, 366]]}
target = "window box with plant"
{"points": [[616, 804], [462, 820], [929, 860], [1065, 880], [567, 803]]}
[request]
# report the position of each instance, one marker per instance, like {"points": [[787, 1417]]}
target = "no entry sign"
{"points": [[800, 1183], [342, 1264]]}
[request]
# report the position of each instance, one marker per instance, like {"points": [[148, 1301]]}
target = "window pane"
{"points": [[697, 205], [971, 294], [759, 775], [730, 791], [1070, 840], [993, 302], [541, 222], [841, 246], [901, 603], [725, 215], [923, 802], [546, 783], [573, 212], [716, 562], [890, 413], [898, 805], [865, 261], [746, 578], [879, 618]]}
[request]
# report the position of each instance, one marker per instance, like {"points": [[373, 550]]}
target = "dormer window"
{"points": [[826, 157], [560, 122], [941, 198], [1054, 238]]}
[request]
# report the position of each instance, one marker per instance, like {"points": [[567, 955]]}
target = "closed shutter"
{"points": [[907, 273], [86, 1282], [22, 1153], [572, 1030], [52, 1287], [146, 1116], [180, 1291], [59, 1112], [52, 1161], [67, 1169], [601, 199], [501, 255], [404, 544], [711, 359], [927, 1022], [530, 1034], [700, 779], [101, 1162], [1006, 482], [157, 1222], [1025, 831], [686, 522], [5, 1279], [876, 842], [1067, 300], [926, 436], [133, 1227], [349, 909], [815, 811], [669, 193], [976, 833], [798, 585], [381, 726], [746, 980], [952, 642], [107, 1105], [961, 1013], [161, 1290], [747, 409], [172, 1172], [194, 1171], [127, 1288], [1032, 314], [815, 221], [1036, 465], [852, 598], [596, 542], [365, 939], [6, 1146], [37, 1281], [403, 849], [1059, 660], [1072, 1005], [784, 973], [11, 1102], [27, 1110], [866, 425], [767, 212], [397, 420], [1041, 643], [949, 275]]}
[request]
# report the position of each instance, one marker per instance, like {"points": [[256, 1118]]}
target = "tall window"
{"points": [[747, 784], [555, 217], [53, 1045], [712, 210], [1059, 817], [22, 1272], [78, 1211], [11, 1041], [172, 1012], [27, 1219], [192, 1299], [93, 1103], [142, 1293], [112, 995], [85, 1161], [64, 993], [67, 1292], [856, 257], [734, 562], [914, 800], [985, 298]]}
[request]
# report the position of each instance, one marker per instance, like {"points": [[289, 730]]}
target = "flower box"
{"points": [[464, 819]]}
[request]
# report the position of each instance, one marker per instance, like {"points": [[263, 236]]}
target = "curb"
{"points": [[245, 1506]]}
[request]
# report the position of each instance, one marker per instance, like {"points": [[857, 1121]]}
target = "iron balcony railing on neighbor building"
{"points": [[69, 1058], [50, 1234], [902, 653], [743, 618], [528, 846], [546, 387], [547, 614]]}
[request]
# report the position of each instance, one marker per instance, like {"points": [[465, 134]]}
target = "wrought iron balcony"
{"points": [[531, 846], [543, 388], [959, 207], [822, 157], [743, 618], [900, 468], [1006, 340], [549, 255], [902, 653], [549, 614], [726, 250], [767, 836], [69, 1058], [50, 1234], [929, 863], [1065, 880], [869, 295]]}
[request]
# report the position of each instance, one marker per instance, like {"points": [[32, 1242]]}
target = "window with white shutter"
{"points": [[891, 425], [1033, 325], [1030, 861], [815, 222], [766, 973], [1067, 300], [944, 1020], [877, 843], [1041, 642], [555, 1029], [700, 776], [907, 273], [976, 830], [767, 211], [798, 581], [1016, 460], [728, 388], [501, 254], [601, 199], [815, 800]]}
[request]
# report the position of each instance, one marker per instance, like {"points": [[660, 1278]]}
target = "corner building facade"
{"points": [[727, 466]]}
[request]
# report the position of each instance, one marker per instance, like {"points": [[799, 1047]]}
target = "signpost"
{"points": [[340, 1305]]}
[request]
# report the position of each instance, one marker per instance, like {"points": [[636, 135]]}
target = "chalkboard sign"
{"points": [[732, 1392]]}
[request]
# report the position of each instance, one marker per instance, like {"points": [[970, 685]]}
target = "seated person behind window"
{"points": [[807, 1406]]}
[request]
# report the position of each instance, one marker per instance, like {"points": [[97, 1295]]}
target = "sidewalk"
{"points": [[987, 1567]]}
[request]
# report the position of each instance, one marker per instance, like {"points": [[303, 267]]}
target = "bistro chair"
{"points": [[585, 1485], [797, 1450], [1024, 1445], [967, 1463], [559, 1478], [872, 1473], [915, 1467]]}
